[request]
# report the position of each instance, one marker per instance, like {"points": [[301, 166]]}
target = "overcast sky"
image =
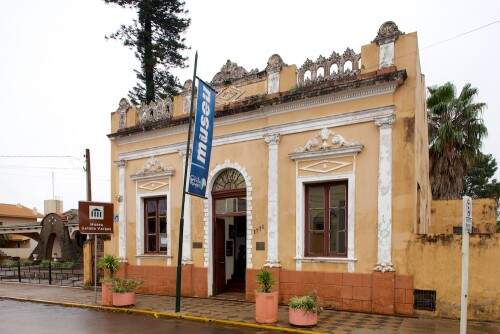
{"points": [[60, 79]]}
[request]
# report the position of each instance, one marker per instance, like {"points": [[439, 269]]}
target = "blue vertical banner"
{"points": [[202, 141]]}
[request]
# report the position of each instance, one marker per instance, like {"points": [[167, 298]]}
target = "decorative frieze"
{"points": [[326, 140], [334, 67], [155, 111]]}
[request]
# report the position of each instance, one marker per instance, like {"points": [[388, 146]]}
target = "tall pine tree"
{"points": [[156, 37]]}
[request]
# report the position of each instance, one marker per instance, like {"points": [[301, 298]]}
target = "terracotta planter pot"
{"points": [[106, 294], [123, 299], [301, 318], [266, 307]]}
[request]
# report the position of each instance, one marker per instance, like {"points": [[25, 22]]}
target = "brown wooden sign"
{"points": [[95, 217]]}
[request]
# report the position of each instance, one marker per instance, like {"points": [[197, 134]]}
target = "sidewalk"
{"points": [[329, 322]]}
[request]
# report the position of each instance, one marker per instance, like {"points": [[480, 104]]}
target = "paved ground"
{"points": [[20, 318], [330, 321]]}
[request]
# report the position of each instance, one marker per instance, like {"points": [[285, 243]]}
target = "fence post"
{"points": [[50, 271], [19, 269]]}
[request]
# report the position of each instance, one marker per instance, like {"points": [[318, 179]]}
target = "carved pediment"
{"points": [[153, 167], [324, 140]]}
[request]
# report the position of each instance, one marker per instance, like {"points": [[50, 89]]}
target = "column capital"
{"points": [[385, 122], [121, 163], [272, 138]]}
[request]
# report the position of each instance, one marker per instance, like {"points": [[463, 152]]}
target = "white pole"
{"points": [[466, 224]]}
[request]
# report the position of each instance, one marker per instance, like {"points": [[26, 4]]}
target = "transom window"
{"points": [[326, 219], [229, 179], [155, 224]]}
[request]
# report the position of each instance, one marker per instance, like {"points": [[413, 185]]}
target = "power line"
{"points": [[39, 167], [37, 156]]}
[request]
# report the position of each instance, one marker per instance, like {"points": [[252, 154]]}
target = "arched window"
{"points": [[229, 179]]}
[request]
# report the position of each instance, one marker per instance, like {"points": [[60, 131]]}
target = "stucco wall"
{"points": [[436, 265]]}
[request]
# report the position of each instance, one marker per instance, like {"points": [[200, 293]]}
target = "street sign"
{"points": [[95, 217], [467, 213]]}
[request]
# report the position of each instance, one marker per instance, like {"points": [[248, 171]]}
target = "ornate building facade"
{"points": [[319, 172]]}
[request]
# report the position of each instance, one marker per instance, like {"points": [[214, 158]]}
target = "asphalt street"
{"points": [[32, 318]]}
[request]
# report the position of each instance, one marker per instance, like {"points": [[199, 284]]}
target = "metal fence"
{"points": [[44, 272]]}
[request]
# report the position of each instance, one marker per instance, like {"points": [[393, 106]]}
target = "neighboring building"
{"points": [[319, 172], [17, 245]]}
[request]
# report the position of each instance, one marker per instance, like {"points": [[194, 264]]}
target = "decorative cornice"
{"points": [[388, 32], [363, 116], [340, 151]]}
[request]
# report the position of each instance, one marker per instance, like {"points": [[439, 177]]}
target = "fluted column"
{"points": [[272, 200], [122, 219], [384, 261]]}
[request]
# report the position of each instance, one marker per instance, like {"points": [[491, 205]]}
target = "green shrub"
{"points": [[26, 262], [307, 303], [265, 280], [9, 263], [109, 263], [121, 285], [45, 264]]}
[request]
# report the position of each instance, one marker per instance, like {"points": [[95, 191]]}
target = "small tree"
{"points": [[156, 38], [479, 182]]}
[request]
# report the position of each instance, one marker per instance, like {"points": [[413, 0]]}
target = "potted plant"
{"points": [[110, 264], [266, 301], [303, 311], [124, 291]]}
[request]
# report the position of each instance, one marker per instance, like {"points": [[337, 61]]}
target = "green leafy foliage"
{"points": [[9, 263], [122, 285], [456, 130], [109, 263], [265, 280], [307, 303], [156, 38], [479, 181]]}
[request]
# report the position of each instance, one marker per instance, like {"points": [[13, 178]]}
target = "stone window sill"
{"points": [[325, 259], [155, 255]]}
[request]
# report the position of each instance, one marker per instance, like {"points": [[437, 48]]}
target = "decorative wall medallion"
{"points": [[153, 185], [228, 94], [321, 142], [325, 166]]}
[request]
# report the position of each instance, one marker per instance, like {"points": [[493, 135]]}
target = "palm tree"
{"points": [[456, 130]]}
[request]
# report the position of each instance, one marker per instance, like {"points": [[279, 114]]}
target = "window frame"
{"points": [[326, 214], [157, 217]]}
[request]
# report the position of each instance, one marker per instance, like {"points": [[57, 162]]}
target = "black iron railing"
{"points": [[42, 272]]}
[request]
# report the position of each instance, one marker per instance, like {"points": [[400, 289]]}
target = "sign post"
{"points": [[200, 159], [466, 229], [95, 218]]}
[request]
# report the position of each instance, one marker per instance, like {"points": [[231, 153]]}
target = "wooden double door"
{"points": [[229, 240]]}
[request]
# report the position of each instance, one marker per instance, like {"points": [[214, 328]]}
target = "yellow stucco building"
{"points": [[319, 172]]}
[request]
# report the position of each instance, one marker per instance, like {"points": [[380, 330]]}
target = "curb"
{"points": [[168, 315]]}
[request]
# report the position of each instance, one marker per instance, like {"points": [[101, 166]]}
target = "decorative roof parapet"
{"points": [[388, 32], [155, 111], [332, 67], [274, 64], [230, 72]]}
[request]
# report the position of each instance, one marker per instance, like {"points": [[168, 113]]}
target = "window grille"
{"points": [[424, 300]]}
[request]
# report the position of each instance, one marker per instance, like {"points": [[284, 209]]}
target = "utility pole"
{"points": [[89, 198]]}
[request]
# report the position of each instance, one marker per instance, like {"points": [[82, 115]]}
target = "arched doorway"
{"points": [[229, 209]]}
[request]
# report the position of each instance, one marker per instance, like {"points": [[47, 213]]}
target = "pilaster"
{"points": [[272, 200]]}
